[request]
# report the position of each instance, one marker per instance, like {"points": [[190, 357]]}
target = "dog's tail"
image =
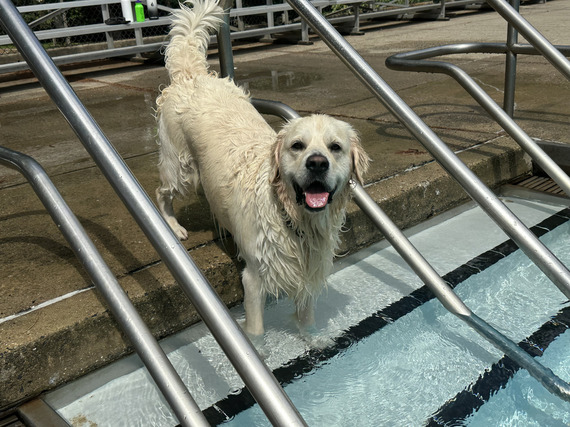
{"points": [[185, 55]]}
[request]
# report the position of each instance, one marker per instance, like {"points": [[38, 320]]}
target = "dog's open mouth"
{"points": [[315, 196]]}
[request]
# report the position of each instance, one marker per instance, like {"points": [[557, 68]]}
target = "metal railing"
{"points": [[241, 353], [87, 42], [419, 61], [150, 36], [488, 201], [146, 346]]}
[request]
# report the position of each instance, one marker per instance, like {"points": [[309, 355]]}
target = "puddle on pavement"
{"points": [[280, 81]]}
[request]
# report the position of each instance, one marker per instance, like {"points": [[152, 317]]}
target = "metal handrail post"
{"points": [[488, 201], [226, 58], [258, 378], [536, 39], [511, 66], [449, 299], [225, 43], [148, 349]]}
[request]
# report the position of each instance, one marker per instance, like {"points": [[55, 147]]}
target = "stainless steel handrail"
{"points": [[258, 378], [146, 346], [534, 37], [435, 282], [397, 239], [450, 300], [489, 202], [418, 61]]}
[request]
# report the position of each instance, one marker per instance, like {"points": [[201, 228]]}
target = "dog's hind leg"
{"points": [[164, 197], [253, 301], [177, 170]]}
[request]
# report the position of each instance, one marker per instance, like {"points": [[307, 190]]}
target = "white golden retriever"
{"points": [[281, 196]]}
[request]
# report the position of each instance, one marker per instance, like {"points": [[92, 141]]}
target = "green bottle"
{"points": [[139, 11]]}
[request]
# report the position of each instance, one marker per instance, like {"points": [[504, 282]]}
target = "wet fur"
{"points": [[211, 135]]}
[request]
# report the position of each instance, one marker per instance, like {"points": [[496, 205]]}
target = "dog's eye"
{"points": [[297, 146], [335, 147]]}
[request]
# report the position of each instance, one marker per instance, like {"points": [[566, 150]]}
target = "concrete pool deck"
{"points": [[70, 332]]}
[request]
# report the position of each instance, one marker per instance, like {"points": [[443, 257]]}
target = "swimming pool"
{"points": [[396, 357]]}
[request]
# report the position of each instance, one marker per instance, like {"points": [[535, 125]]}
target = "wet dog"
{"points": [[281, 196]]}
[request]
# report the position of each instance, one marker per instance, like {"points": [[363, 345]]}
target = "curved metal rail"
{"points": [[148, 349], [418, 61], [258, 378]]}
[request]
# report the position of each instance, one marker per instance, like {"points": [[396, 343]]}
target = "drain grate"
{"points": [[540, 183], [11, 421]]}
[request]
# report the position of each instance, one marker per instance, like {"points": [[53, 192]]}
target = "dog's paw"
{"points": [[258, 341], [315, 339], [180, 231]]}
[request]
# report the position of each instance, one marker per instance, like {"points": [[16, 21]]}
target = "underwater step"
{"points": [[385, 350]]}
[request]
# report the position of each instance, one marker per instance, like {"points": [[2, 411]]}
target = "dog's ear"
{"points": [[360, 159], [275, 175]]}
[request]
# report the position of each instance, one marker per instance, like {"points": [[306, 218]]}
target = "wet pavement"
{"points": [[54, 325]]}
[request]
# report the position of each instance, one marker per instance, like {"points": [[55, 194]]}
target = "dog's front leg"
{"points": [[253, 301], [305, 312]]}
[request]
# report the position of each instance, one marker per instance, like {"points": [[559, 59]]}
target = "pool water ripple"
{"points": [[397, 356]]}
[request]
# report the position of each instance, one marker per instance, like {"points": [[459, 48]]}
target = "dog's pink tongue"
{"points": [[316, 200]]}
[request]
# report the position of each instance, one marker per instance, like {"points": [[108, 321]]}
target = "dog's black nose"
{"points": [[317, 163]]}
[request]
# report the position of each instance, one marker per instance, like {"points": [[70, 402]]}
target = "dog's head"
{"points": [[315, 157]]}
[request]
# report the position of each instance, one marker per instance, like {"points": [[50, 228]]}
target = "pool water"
{"points": [[394, 354]]}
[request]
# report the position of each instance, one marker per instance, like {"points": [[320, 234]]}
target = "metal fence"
{"points": [[74, 31]]}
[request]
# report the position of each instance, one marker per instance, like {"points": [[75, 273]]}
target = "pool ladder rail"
{"points": [[487, 200], [260, 381]]}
